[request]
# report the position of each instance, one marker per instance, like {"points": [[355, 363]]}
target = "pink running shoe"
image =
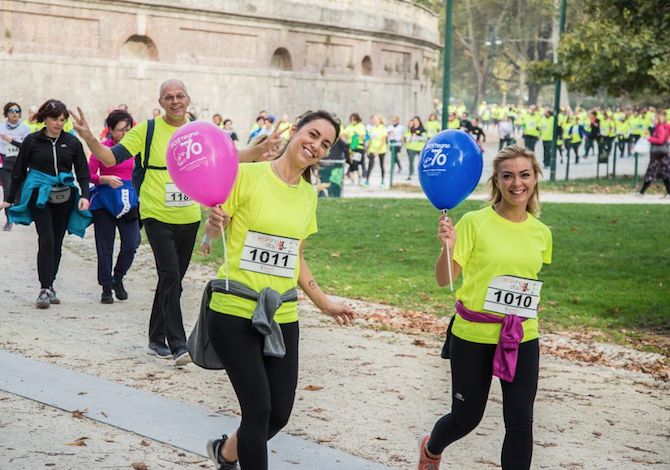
{"points": [[425, 462]]}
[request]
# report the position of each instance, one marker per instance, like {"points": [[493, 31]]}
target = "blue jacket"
{"points": [[20, 213], [117, 201]]}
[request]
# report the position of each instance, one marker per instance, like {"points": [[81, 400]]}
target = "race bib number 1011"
{"points": [[511, 295], [270, 254]]}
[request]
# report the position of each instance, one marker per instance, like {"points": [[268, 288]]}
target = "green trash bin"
{"points": [[331, 178]]}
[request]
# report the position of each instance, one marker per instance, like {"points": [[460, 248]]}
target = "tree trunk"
{"points": [[522, 87], [533, 92]]}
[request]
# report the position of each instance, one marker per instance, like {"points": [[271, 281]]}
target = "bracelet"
{"points": [[206, 240]]}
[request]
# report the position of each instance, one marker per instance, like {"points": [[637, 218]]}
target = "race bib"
{"points": [[511, 295], [270, 254], [175, 198], [11, 151]]}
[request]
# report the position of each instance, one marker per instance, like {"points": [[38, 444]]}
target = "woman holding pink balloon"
{"points": [[269, 214], [500, 250]]}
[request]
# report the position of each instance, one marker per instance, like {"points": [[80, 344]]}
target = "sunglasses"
{"points": [[14, 110]]}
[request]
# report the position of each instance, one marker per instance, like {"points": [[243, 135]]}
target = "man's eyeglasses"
{"points": [[179, 97], [14, 110]]}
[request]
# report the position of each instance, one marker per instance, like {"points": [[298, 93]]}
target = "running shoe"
{"points": [[43, 299], [159, 350], [214, 447], [53, 297], [181, 357], [119, 290], [425, 462], [106, 297], [7, 227]]}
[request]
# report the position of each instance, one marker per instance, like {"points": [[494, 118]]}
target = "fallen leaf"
{"points": [[313, 388], [401, 250], [140, 466], [419, 342], [54, 355], [77, 444], [575, 229], [552, 303], [79, 414], [613, 221], [336, 254], [145, 443], [324, 439]]}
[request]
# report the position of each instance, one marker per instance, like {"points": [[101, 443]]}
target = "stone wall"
{"points": [[235, 56]]}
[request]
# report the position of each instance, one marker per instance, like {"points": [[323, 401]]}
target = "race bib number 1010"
{"points": [[511, 295]]}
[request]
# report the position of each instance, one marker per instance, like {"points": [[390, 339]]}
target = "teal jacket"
{"points": [[20, 213]]}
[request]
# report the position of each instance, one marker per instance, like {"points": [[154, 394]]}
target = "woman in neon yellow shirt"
{"points": [[377, 147], [500, 250], [269, 214]]}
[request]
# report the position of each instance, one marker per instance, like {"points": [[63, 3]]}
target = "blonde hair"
{"points": [[508, 153]]}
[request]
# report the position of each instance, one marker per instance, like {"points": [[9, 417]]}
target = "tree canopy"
{"points": [[619, 46]]}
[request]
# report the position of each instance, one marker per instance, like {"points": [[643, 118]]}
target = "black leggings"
{"points": [[51, 223], [371, 164], [265, 386], [471, 368]]}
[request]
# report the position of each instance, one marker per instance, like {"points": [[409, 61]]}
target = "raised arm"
{"points": [[104, 154]]}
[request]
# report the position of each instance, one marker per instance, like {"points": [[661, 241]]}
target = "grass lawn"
{"points": [[610, 270]]}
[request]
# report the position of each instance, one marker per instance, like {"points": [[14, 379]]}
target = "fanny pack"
{"points": [[60, 194]]}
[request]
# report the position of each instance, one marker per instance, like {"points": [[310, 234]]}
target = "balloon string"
{"points": [[225, 254], [446, 242]]}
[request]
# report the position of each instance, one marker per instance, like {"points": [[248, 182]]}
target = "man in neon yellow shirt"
{"points": [[547, 134], [531, 130], [170, 218]]}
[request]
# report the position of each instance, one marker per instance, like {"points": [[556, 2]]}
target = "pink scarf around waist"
{"points": [[507, 350]]}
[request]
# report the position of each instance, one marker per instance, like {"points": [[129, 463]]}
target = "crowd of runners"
{"points": [[248, 323]]}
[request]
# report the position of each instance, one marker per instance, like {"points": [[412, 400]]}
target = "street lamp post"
{"points": [[557, 99], [446, 79]]}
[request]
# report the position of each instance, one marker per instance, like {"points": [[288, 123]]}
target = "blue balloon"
{"points": [[449, 168]]}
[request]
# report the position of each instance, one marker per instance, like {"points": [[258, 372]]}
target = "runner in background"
{"points": [[396, 137], [170, 219], [12, 134], [49, 197], [114, 207]]}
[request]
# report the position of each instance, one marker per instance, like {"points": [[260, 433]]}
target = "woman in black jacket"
{"points": [[48, 196]]}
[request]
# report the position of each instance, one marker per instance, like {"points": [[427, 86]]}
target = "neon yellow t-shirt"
{"points": [[378, 136], [488, 245], [433, 127], [261, 202], [157, 187]]}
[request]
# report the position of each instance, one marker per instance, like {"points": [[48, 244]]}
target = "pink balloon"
{"points": [[202, 161]]}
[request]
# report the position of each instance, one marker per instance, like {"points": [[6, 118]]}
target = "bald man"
{"points": [[171, 219]]}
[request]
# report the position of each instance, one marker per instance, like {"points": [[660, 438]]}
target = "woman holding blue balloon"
{"points": [[269, 214], [500, 250]]}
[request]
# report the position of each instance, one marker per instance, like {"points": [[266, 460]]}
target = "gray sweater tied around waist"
{"points": [[268, 302]]}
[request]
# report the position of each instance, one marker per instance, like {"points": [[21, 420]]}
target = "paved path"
{"points": [[169, 421]]}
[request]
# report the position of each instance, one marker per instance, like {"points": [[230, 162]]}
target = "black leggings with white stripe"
{"points": [[471, 373]]}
